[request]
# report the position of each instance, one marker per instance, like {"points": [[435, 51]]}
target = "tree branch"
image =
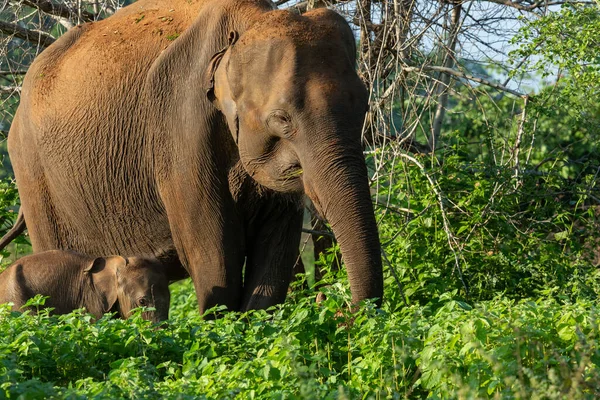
{"points": [[15, 72], [318, 233], [408, 68], [462, 75], [444, 84], [537, 4], [518, 6], [302, 6], [33, 36], [60, 10], [517, 148], [10, 89], [367, 24]]}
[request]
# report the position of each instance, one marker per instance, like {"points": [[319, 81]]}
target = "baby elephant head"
{"points": [[126, 283]]}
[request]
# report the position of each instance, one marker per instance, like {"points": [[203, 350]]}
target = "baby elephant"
{"points": [[102, 284]]}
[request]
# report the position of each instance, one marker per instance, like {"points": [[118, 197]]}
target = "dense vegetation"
{"points": [[525, 349], [491, 245]]}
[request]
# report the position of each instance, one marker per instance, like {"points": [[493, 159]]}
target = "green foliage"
{"points": [[567, 40], [9, 200], [306, 350], [565, 44], [511, 203], [522, 236]]}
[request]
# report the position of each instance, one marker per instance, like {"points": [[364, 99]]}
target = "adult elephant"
{"points": [[189, 130]]}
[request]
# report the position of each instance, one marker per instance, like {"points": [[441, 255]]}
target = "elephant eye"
{"points": [[280, 122], [143, 302]]}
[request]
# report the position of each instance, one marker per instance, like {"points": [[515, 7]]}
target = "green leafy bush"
{"points": [[302, 349], [493, 234]]}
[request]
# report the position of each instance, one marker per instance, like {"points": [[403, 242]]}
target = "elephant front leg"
{"points": [[272, 251], [209, 245]]}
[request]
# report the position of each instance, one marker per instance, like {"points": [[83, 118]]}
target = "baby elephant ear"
{"points": [[103, 272]]}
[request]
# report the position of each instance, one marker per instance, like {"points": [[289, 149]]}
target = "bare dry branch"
{"points": [[318, 233], [443, 86], [34, 36], [302, 6], [60, 10], [539, 4], [519, 5], [517, 147], [367, 24], [10, 89], [463, 75], [15, 72]]}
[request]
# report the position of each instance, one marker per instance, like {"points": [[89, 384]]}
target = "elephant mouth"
{"points": [[277, 176], [292, 172], [291, 177]]}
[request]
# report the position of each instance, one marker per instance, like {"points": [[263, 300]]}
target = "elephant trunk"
{"points": [[338, 186], [153, 316]]}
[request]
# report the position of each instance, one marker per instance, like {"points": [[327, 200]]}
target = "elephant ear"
{"points": [[218, 88], [213, 64], [103, 273]]}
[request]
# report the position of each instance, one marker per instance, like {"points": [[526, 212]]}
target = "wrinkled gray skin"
{"points": [[100, 284], [199, 148]]}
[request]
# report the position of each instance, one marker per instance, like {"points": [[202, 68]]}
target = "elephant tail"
{"points": [[15, 231]]}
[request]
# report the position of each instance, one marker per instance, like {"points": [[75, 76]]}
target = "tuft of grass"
{"points": [[172, 36]]}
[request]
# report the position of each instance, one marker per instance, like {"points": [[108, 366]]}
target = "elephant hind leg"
{"points": [[36, 202], [40, 217]]}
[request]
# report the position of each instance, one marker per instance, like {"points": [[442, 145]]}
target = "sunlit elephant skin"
{"points": [[190, 130], [101, 284]]}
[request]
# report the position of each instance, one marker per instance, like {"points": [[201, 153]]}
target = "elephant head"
{"points": [[127, 283], [295, 106]]}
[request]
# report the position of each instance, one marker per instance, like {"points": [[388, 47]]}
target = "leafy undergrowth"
{"points": [[498, 348]]}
